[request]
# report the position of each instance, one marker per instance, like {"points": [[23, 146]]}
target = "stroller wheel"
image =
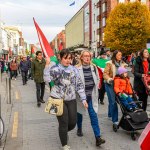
{"points": [[133, 136], [115, 127]]}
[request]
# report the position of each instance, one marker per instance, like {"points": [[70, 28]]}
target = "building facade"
{"points": [[104, 8], [75, 30]]}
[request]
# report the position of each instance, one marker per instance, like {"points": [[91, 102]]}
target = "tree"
{"points": [[128, 27]]}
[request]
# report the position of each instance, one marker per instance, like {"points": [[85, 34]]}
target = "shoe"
{"points": [[99, 141], [66, 147], [15, 78], [79, 133], [38, 104], [101, 102], [41, 100]]}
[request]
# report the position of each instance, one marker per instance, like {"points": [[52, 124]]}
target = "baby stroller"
{"points": [[132, 121]]}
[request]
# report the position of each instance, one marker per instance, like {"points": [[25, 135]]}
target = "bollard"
{"points": [[9, 91]]}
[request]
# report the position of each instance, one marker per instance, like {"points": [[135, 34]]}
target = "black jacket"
{"points": [[138, 71]]}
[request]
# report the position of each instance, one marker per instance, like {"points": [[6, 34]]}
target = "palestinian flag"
{"points": [[101, 64]]}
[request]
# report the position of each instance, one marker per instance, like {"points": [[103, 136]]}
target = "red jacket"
{"points": [[122, 85]]}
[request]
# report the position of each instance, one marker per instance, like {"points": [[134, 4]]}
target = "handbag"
{"points": [[54, 106]]}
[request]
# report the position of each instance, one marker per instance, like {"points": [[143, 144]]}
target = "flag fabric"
{"points": [[60, 46], [73, 3], [144, 140], [45, 46], [100, 64]]}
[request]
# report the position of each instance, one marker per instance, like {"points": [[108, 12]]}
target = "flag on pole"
{"points": [[45, 46], [73, 3]]}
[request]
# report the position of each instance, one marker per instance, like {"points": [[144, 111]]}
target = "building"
{"points": [[75, 30], [86, 25], [18, 41], [104, 8], [94, 26]]}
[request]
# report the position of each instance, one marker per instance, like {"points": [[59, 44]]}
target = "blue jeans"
{"points": [[126, 101], [93, 118], [112, 106]]}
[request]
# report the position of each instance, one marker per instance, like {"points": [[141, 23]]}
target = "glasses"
{"points": [[87, 56]]}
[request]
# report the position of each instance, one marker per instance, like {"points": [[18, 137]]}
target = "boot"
{"points": [[79, 132], [99, 141], [66, 147], [38, 104]]}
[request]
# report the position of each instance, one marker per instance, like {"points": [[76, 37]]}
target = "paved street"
{"points": [[31, 128]]}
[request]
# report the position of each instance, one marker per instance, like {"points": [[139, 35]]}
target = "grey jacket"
{"points": [[80, 107]]}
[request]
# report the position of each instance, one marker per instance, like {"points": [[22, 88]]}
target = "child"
{"points": [[123, 89]]}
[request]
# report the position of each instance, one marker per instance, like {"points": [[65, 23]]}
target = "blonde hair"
{"points": [[81, 55]]}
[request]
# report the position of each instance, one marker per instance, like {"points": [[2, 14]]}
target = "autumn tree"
{"points": [[128, 27]]}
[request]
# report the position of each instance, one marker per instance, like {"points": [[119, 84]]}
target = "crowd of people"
{"points": [[82, 81]]}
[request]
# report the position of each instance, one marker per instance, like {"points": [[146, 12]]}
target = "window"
{"points": [[103, 7], [104, 22], [94, 36], [121, 1], [94, 18]]}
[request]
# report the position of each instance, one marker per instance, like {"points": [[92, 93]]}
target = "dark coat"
{"points": [[138, 71], [24, 65], [37, 69]]}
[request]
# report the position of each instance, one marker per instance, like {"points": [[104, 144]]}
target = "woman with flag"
{"points": [[67, 82]]}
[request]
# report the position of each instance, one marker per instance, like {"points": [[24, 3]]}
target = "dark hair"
{"points": [[114, 55], [38, 52], [65, 53], [141, 52]]}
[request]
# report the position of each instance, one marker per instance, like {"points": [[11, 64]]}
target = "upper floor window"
{"points": [[103, 7]]}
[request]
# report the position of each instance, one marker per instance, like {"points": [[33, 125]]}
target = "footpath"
{"points": [[31, 128]]}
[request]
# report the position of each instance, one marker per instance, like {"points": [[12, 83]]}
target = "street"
{"points": [[30, 128]]}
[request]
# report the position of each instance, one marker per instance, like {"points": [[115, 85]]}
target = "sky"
{"points": [[51, 16]]}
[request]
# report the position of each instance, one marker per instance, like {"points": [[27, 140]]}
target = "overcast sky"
{"points": [[51, 15]]}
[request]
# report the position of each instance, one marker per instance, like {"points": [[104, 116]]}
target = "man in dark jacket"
{"points": [[24, 67], [38, 66]]}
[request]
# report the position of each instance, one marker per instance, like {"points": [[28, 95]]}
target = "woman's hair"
{"points": [[141, 52], [114, 55], [65, 53], [81, 55]]}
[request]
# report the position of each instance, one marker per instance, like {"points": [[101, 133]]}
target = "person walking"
{"points": [[89, 76], [37, 70], [24, 67], [141, 68], [100, 62], [65, 76], [110, 72], [13, 68]]}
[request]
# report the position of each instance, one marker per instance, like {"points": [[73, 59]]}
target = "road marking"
{"points": [[17, 95], [15, 125]]}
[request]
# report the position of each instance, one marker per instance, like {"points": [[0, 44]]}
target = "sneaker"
{"points": [[15, 78], [99, 141], [66, 147], [131, 110], [79, 133]]}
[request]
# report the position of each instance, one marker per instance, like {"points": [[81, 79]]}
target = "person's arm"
{"points": [[116, 86], [107, 72], [137, 71], [32, 69]]}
